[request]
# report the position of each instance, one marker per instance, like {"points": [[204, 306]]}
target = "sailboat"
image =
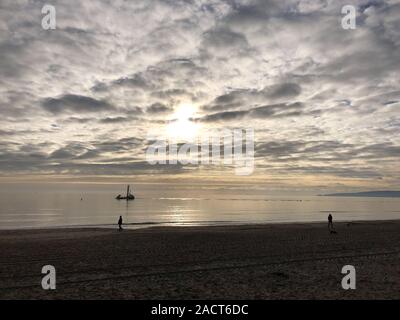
{"points": [[129, 195]]}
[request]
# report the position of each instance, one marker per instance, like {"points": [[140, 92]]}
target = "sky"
{"points": [[80, 100]]}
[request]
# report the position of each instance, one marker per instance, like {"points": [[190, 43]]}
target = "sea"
{"points": [[53, 205]]}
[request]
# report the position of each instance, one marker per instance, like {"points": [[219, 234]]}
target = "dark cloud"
{"points": [[269, 111], [79, 120], [328, 151], [135, 81], [223, 116], [224, 39], [286, 90], [75, 103], [158, 108], [250, 97], [72, 150], [119, 119], [118, 145], [15, 133], [277, 110]]}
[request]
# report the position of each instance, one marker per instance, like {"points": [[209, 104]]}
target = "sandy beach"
{"points": [[276, 261]]}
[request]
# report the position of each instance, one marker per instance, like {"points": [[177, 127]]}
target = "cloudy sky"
{"points": [[323, 101]]}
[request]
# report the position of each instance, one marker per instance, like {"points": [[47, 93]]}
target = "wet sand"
{"points": [[276, 261]]}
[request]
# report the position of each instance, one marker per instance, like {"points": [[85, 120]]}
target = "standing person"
{"points": [[120, 223], [330, 223]]}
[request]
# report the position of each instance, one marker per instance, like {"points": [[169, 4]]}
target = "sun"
{"points": [[180, 126]]}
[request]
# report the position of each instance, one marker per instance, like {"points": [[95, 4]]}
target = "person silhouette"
{"points": [[330, 223], [120, 223]]}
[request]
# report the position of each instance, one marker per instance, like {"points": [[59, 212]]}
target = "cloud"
{"points": [[268, 111], [222, 116], [75, 103], [158, 108], [287, 90], [250, 97], [134, 81], [224, 40], [115, 119], [321, 99]]}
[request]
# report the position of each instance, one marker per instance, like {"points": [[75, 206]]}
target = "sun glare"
{"points": [[180, 126]]}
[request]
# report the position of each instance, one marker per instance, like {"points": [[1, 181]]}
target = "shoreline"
{"points": [[150, 225], [253, 261]]}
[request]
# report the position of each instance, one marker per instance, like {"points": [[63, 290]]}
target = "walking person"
{"points": [[330, 223], [120, 223]]}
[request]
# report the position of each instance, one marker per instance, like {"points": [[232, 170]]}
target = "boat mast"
{"points": [[127, 192]]}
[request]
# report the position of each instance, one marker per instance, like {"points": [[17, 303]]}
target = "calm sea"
{"points": [[75, 204]]}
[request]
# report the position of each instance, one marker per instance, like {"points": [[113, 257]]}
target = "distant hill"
{"points": [[386, 194]]}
